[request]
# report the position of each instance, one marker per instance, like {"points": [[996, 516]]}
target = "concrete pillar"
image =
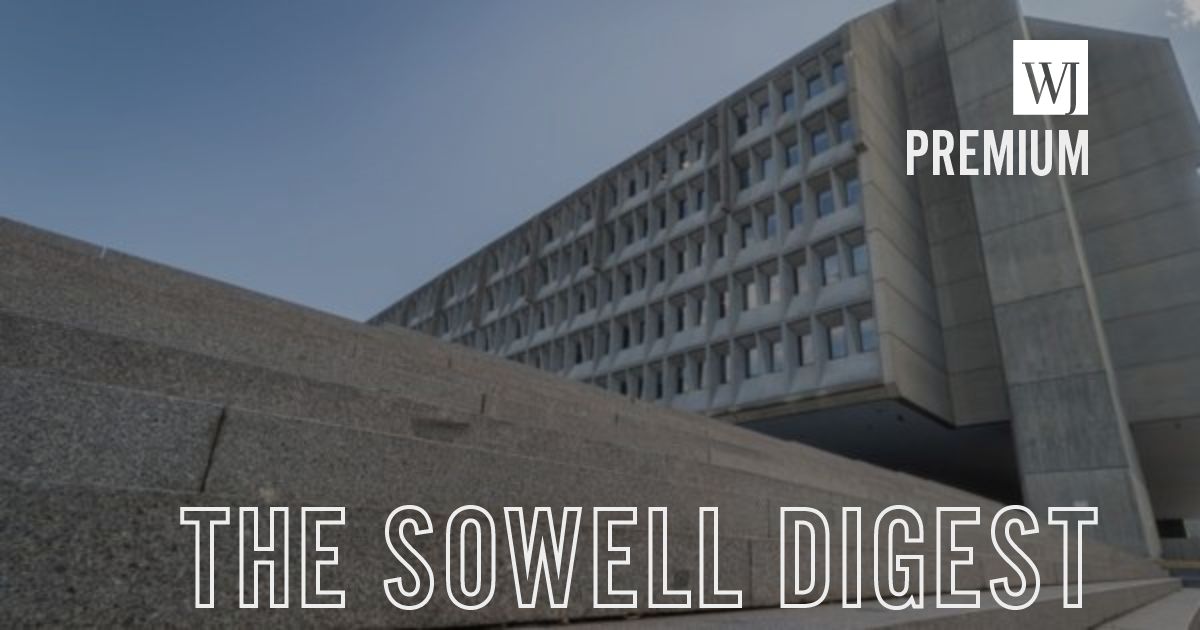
{"points": [[1072, 438]]}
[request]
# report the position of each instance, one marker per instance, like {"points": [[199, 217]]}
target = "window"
{"points": [[680, 381], [681, 208], [683, 160], [680, 317], [658, 385], [820, 141], [578, 352], [776, 356], [825, 205], [625, 336], [747, 229], [804, 349], [661, 325], [743, 124], [662, 269], [789, 100], [791, 156], [799, 278], [699, 199], [628, 281], [836, 336], [680, 261], [698, 373], [774, 287], [845, 129], [764, 167], [815, 86], [743, 175], [868, 334], [632, 187], [720, 239], [860, 263], [723, 369], [749, 295], [838, 72], [751, 361], [830, 268], [662, 219], [853, 190], [796, 210], [770, 224], [764, 113], [584, 256], [722, 303]]}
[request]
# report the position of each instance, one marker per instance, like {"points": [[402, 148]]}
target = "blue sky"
{"points": [[340, 154]]}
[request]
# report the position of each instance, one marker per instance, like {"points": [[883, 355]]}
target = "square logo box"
{"points": [[1050, 77]]}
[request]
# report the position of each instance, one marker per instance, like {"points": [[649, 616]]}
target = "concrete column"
{"points": [[1072, 438]]}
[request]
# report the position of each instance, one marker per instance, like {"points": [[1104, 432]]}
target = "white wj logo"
{"points": [[1050, 77]]}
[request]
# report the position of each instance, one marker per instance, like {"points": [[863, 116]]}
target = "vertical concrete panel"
{"points": [[1061, 381]]}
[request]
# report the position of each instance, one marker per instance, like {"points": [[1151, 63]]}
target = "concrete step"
{"points": [[1178, 611], [52, 349], [73, 432], [115, 360], [69, 432], [1100, 601], [120, 556]]}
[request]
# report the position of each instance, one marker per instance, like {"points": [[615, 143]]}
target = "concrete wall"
{"points": [[975, 378], [903, 282], [1073, 442], [1139, 214]]}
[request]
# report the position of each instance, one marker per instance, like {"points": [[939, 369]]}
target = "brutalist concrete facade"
{"points": [[770, 262]]}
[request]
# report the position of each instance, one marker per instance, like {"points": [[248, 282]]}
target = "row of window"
{"points": [[814, 85], [747, 357], [745, 290], [752, 225], [758, 163]]}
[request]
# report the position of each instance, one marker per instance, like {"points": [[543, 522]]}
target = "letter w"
{"points": [[526, 568], [1046, 85]]}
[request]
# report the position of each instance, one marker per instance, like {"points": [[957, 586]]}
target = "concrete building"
{"points": [[769, 262]]}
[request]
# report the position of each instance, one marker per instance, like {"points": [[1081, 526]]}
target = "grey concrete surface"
{"points": [[1180, 609], [128, 389]]}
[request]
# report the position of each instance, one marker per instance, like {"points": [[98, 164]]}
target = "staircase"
{"points": [[129, 389]]}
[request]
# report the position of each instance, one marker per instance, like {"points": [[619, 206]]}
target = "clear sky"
{"points": [[339, 154]]}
